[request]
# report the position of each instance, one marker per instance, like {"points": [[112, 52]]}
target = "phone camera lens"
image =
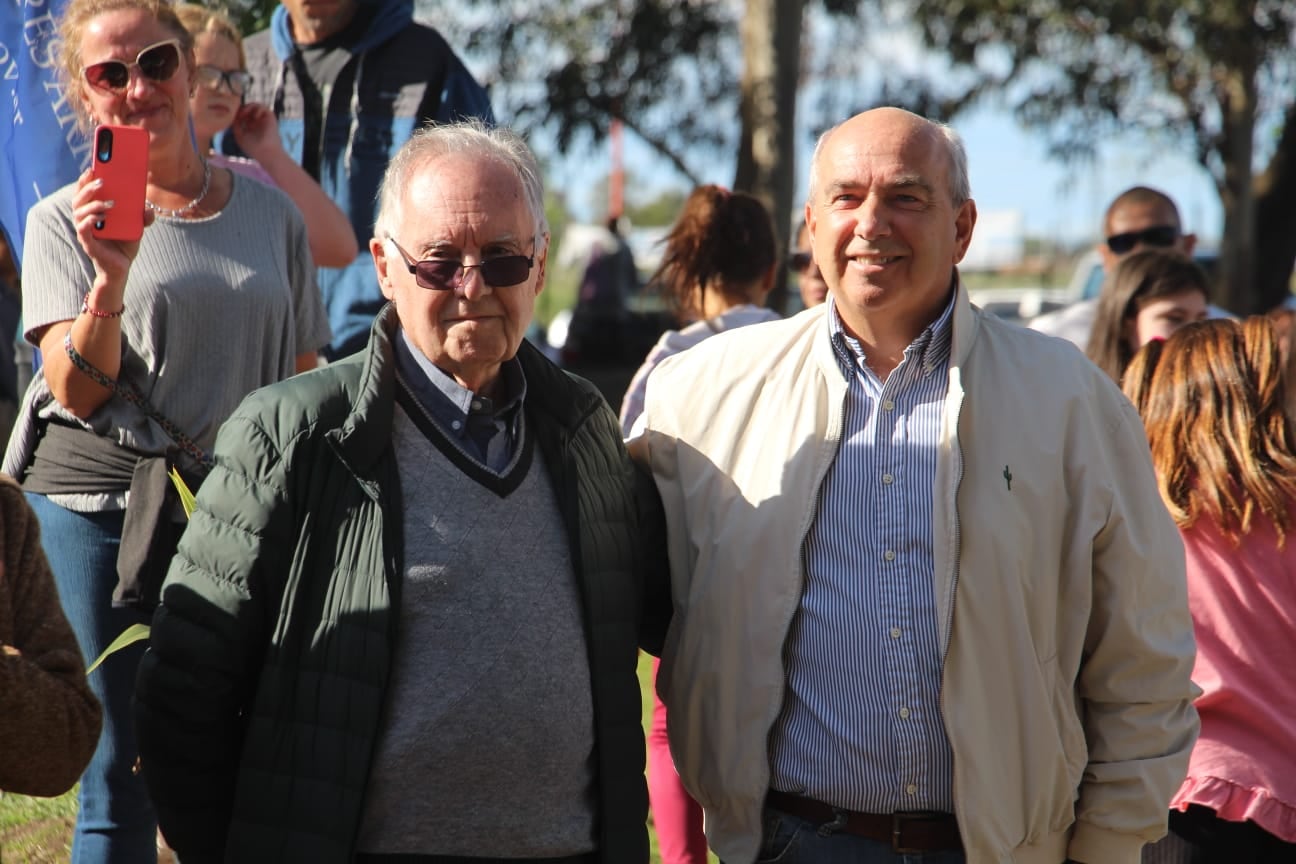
{"points": [[103, 146]]}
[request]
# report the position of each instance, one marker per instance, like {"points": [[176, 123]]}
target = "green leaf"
{"points": [[129, 636], [186, 497]]}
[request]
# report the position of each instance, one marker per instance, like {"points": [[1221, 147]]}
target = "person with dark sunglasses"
{"points": [[1138, 218], [147, 347], [218, 104], [422, 645]]}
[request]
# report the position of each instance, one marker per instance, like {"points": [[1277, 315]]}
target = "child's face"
{"points": [[214, 107]]}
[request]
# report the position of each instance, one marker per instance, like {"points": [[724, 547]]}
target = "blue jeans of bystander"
{"points": [[116, 823]]}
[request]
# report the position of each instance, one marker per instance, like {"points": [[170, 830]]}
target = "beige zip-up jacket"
{"points": [[1059, 581]]}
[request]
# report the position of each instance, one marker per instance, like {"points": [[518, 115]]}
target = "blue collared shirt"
{"points": [[861, 724], [488, 430]]}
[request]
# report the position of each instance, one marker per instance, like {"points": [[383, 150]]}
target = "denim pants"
{"points": [[116, 823], [788, 839]]}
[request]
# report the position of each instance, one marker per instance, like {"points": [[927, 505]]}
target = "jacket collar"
{"points": [[965, 324], [553, 398], [367, 431]]}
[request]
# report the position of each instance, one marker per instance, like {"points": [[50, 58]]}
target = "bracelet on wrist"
{"points": [[87, 309]]}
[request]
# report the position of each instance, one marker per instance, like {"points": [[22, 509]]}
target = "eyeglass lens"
{"points": [[442, 274], [156, 62], [1157, 235], [236, 80]]}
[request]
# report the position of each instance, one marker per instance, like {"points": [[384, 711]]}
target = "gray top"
{"points": [[215, 308], [487, 742]]}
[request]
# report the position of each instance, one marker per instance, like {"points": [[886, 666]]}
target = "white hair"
{"points": [[467, 138]]}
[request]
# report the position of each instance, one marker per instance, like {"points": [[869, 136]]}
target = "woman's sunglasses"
{"points": [[445, 274], [236, 80], [157, 62]]}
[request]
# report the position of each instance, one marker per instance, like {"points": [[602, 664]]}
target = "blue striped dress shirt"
{"points": [[861, 725]]}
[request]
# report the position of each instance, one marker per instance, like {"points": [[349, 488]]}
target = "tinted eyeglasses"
{"points": [[1157, 235], [797, 262], [212, 78], [157, 62], [446, 274]]}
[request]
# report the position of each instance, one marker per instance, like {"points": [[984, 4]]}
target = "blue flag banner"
{"points": [[41, 148]]}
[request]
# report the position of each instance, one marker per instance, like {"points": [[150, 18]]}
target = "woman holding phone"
{"points": [[148, 345]]}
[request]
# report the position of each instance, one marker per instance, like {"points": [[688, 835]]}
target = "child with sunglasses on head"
{"points": [[217, 105]]}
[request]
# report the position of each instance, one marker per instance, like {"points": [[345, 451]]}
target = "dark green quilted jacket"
{"points": [[259, 700]]}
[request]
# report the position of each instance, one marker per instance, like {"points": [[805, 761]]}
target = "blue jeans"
{"points": [[788, 839], [116, 823]]}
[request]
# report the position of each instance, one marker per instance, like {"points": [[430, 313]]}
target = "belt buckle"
{"points": [[898, 820]]}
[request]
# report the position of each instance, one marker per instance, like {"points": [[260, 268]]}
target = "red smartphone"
{"points": [[120, 160]]}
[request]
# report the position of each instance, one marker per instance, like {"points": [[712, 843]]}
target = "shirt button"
{"points": [[476, 405], [888, 479], [904, 713], [888, 405], [911, 789], [895, 632], [455, 424], [889, 554]]}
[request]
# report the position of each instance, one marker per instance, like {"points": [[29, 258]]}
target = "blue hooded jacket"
{"points": [[400, 75]]}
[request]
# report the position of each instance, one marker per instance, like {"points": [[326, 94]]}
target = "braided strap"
{"points": [[134, 397]]}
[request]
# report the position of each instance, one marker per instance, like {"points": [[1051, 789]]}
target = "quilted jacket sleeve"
{"points": [[197, 680], [49, 719]]}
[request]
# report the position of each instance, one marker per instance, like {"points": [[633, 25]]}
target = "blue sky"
{"points": [[1010, 170]]}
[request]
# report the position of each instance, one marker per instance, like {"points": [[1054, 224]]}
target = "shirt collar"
{"points": [[446, 399], [931, 350]]}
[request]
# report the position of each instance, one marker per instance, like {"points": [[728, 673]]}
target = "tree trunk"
{"points": [[1276, 220], [1235, 288], [771, 37]]}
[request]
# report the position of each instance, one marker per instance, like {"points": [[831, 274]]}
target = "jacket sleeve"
{"points": [[49, 719], [655, 567], [1134, 682], [462, 97], [197, 680]]}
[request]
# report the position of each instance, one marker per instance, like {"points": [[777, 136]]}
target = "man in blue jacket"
{"points": [[349, 81]]}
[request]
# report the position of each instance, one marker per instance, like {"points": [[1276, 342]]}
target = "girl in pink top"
{"points": [[1212, 398]]}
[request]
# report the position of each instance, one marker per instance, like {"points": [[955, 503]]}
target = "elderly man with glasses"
{"points": [[404, 621]]}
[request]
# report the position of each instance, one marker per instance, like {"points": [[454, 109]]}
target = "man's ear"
{"points": [[1187, 243], [964, 221], [542, 259], [378, 250]]}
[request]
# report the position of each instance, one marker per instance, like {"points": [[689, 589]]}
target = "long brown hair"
{"points": [[722, 241], [1139, 277], [1222, 444]]}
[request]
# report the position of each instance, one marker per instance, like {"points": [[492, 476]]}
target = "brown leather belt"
{"points": [[906, 832]]}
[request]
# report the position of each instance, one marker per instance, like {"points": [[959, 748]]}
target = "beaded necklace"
{"points": [[181, 211]]}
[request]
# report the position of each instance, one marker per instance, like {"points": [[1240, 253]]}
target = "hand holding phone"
{"points": [[120, 162]]}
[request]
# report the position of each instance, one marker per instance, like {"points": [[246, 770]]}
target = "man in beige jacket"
{"points": [[928, 602]]}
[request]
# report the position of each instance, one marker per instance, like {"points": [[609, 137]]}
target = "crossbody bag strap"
{"points": [[132, 395]]}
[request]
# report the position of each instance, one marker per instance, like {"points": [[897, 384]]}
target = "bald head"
{"points": [[899, 124]]}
